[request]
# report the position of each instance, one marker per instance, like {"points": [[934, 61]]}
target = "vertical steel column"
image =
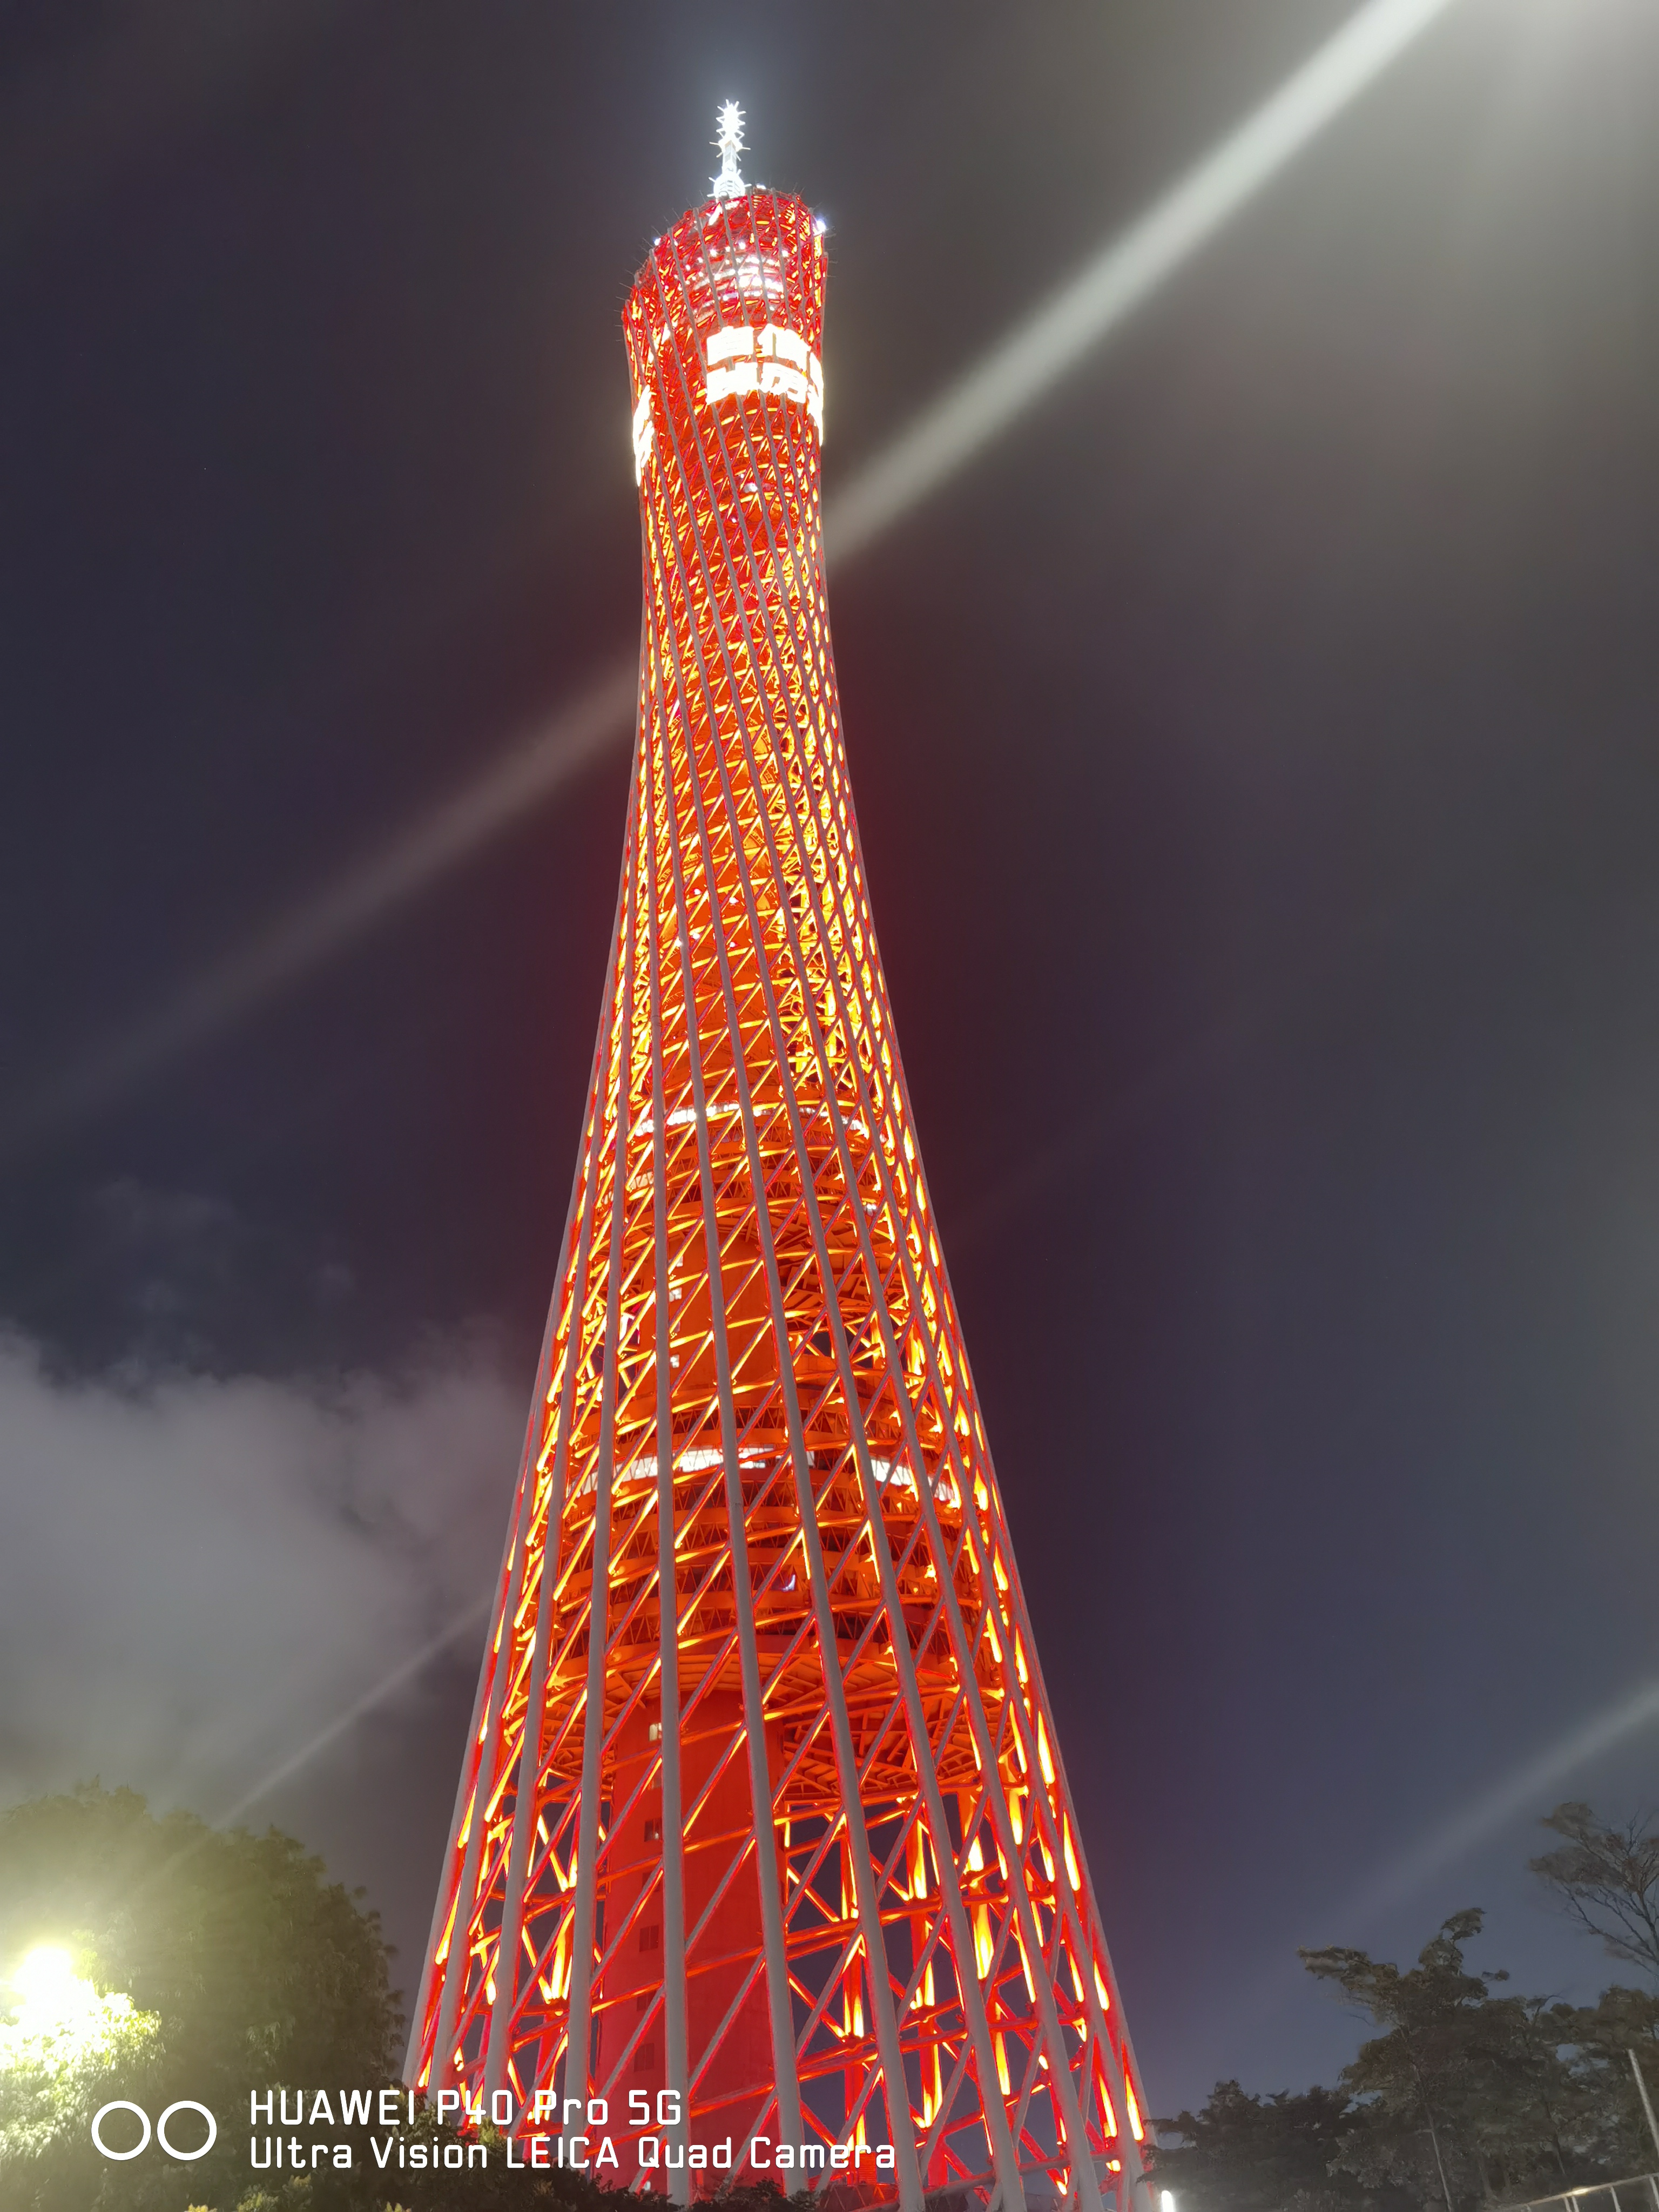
{"points": [[586, 1189], [1061, 2086], [1005, 2158], [895, 2081], [676, 2075], [780, 2005], [806, 1501], [1001, 2142], [869, 1904], [1064, 2093], [463, 1798], [1117, 2070], [577, 2052], [1119, 2085], [442, 2057], [1059, 2058]]}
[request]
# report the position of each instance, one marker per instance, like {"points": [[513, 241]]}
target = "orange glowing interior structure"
{"points": [[762, 1805]]}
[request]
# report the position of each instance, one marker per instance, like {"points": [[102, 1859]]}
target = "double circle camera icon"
{"points": [[125, 2104]]}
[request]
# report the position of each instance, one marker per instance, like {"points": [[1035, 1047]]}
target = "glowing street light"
{"points": [[52, 1993], [58, 2017], [59, 2020], [43, 1971]]}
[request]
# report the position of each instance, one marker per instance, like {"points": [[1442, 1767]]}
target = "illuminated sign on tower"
{"points": [[763, 1828]]}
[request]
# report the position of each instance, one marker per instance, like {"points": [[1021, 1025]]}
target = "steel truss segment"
{"points": [[580, 1987], [762, 1802], [867, 1901], [834, 1315], [676, 2067], [430, 2052], [787, 2088], [873, 1508], [1045, 1804]]}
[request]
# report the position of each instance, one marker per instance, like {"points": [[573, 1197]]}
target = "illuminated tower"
{"points": [[762, 1818]]}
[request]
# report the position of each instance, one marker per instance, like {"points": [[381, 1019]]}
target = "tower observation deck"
{"points": [[762, 1834]]}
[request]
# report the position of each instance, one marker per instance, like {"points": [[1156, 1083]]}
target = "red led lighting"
{"points": [[796, 1846]]}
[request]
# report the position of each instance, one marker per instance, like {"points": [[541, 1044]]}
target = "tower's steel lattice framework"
{"points": [[763, 1803]]}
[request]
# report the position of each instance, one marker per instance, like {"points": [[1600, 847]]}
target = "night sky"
{"points": [[1255, 758]]}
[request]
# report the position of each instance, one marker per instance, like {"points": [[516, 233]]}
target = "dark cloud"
{"points": [[203, 1571]]}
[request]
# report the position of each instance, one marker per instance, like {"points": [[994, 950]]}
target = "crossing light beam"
{"points": [[951, 433], [1050, 342]]}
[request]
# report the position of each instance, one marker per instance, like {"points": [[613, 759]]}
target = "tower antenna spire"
{"points": [[729, 184]]}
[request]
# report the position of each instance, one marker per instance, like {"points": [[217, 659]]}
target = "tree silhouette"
{"points": [[1606, 1876]]}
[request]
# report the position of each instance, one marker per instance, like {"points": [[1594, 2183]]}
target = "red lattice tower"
{"points": [[797, 1847]]}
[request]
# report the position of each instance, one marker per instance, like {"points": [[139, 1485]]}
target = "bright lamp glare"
{"points": [[53, 1994], [59, 2022], [45, 1973]]}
